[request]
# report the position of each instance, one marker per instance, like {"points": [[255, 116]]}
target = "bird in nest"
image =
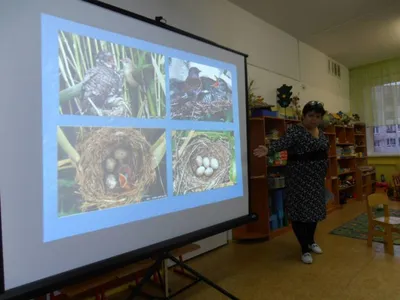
{"points": [[125, 177], [201, 88], [216, 90], [102, 84], [188, 89]]}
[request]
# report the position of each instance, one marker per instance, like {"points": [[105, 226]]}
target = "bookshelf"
{"points": [[366, 175], [332, 179]]}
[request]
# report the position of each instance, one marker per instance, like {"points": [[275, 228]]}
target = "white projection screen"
{"points": [[116, 134]]}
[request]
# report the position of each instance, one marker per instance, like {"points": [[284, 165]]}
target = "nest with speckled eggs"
{"points": [[186, 165], [98, 146]]}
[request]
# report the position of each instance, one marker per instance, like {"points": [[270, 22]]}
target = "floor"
{"points": [[348, 269]]}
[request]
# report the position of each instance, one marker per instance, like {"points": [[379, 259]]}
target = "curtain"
{"points": [[375, 96], [375, 93]]}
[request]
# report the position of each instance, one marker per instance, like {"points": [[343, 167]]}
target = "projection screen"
{"points": [[116, 134]]}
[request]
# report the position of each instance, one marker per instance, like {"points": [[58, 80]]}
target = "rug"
{"points": [[358, 228]]}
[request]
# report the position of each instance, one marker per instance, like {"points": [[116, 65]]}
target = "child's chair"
{"points": [[387, 222]]}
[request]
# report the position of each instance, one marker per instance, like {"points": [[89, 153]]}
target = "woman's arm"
{"points": [[287, 141]]}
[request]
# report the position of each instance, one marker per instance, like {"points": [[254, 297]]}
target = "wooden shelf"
{"points": [[258, 177], [259, 129]]}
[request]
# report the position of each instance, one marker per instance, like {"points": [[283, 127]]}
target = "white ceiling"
{"points": [[353, 32]]}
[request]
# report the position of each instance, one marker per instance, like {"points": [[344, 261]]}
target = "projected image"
{"points": [[100, 78], [199, 92], [100, 168], [203, 160]]}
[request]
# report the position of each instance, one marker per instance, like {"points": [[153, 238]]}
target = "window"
{"points": [[385, 136]]}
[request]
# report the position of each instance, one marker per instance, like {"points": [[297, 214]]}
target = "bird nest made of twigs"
{"points": [[114, 168], [187, 162], [197, 110]]}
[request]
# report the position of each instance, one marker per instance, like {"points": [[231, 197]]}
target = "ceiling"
{"points": [[353, 32]]}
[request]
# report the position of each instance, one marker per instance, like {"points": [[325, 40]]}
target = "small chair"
{"points": [[387, 222]]}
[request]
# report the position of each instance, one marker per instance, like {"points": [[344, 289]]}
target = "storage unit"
{"points": [[347, 153], [267, 184]]}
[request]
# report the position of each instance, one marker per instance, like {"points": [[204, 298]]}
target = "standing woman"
{"points": [[307, 166]]}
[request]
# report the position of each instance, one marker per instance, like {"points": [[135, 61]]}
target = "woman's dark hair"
{"points": [[314, 106]]}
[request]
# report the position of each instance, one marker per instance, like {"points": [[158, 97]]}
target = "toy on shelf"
{"points": [[343, 170], [284, 97], [356, 118], [347, 151], [273, 135], [276, 181], [296, 108], [345, 119], [347, 182], [278, 159], [360, 154]]}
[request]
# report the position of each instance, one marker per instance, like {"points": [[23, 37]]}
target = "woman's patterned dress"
{"points": [[306, 171]]}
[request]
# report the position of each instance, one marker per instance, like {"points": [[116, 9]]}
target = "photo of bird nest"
{"points": [[203, 160], [100, 78], [101, 168], [199, 92]]}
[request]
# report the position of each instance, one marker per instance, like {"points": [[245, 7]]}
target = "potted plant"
{"points": [[257, 106]]}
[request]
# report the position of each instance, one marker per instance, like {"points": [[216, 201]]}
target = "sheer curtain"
{"points": [[375, 96]]}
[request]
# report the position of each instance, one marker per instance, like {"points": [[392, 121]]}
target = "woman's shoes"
{"points": [[315, 248], [307, 258]]}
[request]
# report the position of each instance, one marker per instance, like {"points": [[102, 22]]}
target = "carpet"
{"points": [[358, 228]]}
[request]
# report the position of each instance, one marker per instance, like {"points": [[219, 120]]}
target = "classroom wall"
{"points": [[385, 165], [275, 57]]}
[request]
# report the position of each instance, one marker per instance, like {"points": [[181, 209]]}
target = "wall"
{"points": [[275, 58], [387, 166]]}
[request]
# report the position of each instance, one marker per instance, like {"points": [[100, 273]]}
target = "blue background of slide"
{"points": [[55, 227]]}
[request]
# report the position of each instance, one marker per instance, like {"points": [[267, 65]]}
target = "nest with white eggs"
{"points": [[120, 145], [197, 110], [204, 164]]}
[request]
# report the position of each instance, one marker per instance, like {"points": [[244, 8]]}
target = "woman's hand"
{"points": [[260, 151]]}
